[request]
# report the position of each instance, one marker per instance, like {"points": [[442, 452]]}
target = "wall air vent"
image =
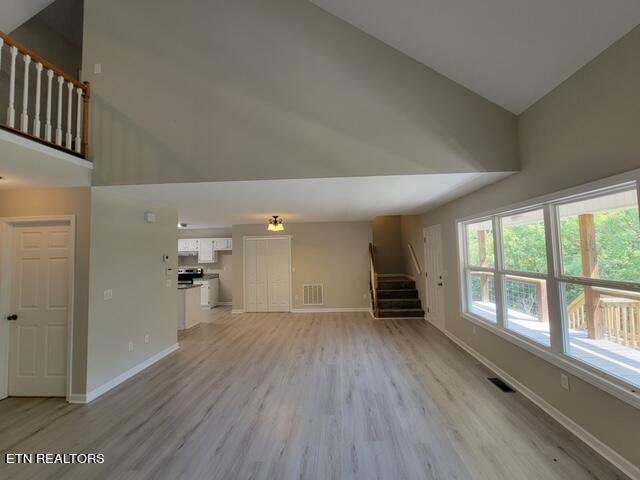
{"points": [[313, 294], [498, 382]]}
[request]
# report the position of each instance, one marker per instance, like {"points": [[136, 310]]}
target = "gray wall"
{"points": [[586, 129], [334, 254], [126, 256], [248, 89], [223, 267], [63, 201], [388, 244]]}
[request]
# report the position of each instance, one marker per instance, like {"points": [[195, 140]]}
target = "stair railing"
{"points": [[69, 131], [373, 281], [416, 264]]}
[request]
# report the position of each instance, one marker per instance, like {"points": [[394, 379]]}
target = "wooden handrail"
{"points": [[373, 280], [56, 85], [12, 42], [416, 264]]}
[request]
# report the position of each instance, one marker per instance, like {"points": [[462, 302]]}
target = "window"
{"points": [[524, 250], [583, 251], [480, 269]]}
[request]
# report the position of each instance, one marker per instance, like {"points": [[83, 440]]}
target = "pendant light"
{"points": [[275, 224]]}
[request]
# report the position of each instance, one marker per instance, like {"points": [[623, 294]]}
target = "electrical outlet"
{"points": [[131, 346], [108, 294], [564, 381], [473, 329], [146, 338]]}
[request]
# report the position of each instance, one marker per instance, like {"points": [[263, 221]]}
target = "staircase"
{"points": [[398, 298], [392, 296]]}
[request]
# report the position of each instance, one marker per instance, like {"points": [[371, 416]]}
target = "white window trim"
{"points": [[555, 353]]}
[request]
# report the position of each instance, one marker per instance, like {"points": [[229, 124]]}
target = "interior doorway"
{"points": [[36, 301]]}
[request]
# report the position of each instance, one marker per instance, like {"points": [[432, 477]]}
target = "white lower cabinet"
{"points": [[208, 292]]}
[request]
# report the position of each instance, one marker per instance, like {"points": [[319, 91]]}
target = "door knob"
{"points": [[440, 284], [12, 317]]}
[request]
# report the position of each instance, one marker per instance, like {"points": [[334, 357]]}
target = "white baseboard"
{"points": [[330, 310], [77, 398], [102, 389], [607, 452], [237, 310]]}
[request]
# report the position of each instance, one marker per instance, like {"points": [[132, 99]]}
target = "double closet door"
{"points": [[267, 274]]}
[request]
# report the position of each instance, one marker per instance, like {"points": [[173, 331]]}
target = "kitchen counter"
{"points": [[187, 286], [189, 312]]}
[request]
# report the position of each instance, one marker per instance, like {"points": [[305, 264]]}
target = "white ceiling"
{"points": [[14, 13], [511, 52], [308, 200]]}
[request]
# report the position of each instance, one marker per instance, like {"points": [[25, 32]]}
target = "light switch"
{"points": [[108, 294], [564, 381], [168, 283], [97, 68]]}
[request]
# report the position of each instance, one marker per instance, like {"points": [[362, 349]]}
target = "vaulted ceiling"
{"points": [[14, 13], [511, 52]]}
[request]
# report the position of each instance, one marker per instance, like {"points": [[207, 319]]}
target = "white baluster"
{"points": [[69, 136], [59, 124], [79, 122], [36, 115], [47, 125], [24, 118], [11, 111]]}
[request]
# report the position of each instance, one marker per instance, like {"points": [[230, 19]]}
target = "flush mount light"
{"points": [[182, 225], [275, 224]]}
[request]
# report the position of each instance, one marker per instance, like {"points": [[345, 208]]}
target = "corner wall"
{"points": [[584, 130], [388, 244], [334, 254], [126, 257]]}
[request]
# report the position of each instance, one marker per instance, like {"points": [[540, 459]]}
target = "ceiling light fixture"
{"points": [[182, 225], [275, 224]]}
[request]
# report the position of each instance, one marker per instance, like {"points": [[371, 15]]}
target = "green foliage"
{"points": [[525, 248], [617, 243]]}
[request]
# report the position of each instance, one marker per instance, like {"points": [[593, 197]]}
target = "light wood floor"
{"points": [[306, 396]]}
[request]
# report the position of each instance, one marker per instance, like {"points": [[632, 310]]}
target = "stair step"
{"points": [[399, 303], [398, 293], [400, 313], [399, 284]]}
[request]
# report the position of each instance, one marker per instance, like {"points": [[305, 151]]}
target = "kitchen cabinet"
{"points": [[188, 245], [209, 292], [206, 252], [222, 243]]}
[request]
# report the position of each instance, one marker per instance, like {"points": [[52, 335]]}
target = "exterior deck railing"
{"points": [[54, 108], [621, 317]]}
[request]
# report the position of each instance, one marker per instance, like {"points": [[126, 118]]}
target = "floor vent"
{"points": [[498, 382], [313, 294]]}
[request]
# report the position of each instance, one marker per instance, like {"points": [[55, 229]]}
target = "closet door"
{"points": [[279, 268], [255, 274]]}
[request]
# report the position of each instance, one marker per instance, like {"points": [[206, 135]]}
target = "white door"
{"points": [[40, 299], [256, 279], [267, 266], [434, 275], [279, 274]]}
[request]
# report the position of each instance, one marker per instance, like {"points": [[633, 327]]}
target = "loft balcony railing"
{"points": [[54, 106]]}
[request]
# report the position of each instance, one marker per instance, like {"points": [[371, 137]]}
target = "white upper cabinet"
{"points": [[222, 243], [188, 245], [206, 253]]}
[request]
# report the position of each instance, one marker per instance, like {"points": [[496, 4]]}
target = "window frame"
{"points": [[557, 352]]}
